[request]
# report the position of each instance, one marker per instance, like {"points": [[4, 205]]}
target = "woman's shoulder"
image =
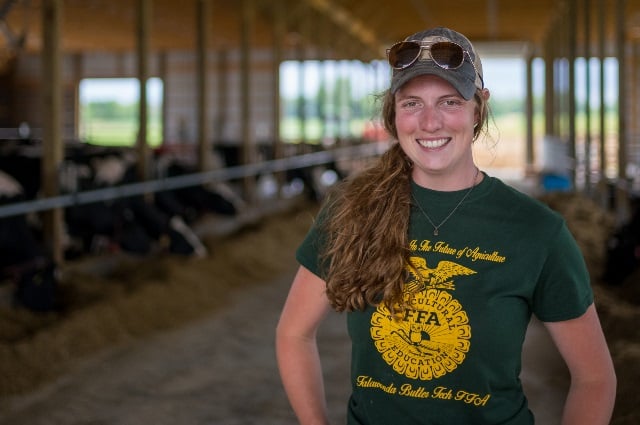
{"points": [[521, 200]]}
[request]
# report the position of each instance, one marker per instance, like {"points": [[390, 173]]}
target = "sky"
{"points": [[122, 90]]}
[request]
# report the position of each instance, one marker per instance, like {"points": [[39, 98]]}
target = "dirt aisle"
{"points": [[220, 370]]}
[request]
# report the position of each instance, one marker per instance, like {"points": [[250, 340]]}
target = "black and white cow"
{"points": [[135, 224], [24, 264]]}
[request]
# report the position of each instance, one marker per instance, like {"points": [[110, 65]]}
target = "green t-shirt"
{"points": [[455, 355]]}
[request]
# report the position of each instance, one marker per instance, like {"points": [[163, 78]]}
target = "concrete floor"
{"points": [[222, 370]]}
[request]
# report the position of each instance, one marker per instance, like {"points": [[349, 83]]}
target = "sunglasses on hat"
{"points": [[445, 54]]}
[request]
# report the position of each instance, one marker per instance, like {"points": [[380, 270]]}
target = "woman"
{"points": [[440, 267]]}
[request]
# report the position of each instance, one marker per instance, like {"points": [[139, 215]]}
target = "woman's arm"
{"points": [[582, 344], [296, 347]]}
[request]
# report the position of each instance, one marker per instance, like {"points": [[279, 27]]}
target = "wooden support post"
{"points": [[571, 101], [622, 194], [142, 32], [279, 28], [248, 145], [529, 155], [202, 24], [52, 144], [587, 105], [603, 190]]}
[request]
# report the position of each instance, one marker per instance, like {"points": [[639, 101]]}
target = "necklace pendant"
{"points": [[435, 232]]}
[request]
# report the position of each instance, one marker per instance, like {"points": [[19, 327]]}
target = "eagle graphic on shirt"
{"points": [[440, 277]]}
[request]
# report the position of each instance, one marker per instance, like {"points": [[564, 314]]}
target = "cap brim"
{"points": [[458, 78]]}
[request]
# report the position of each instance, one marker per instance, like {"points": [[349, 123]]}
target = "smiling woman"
{"points": [[109, 111], [394, 248]]}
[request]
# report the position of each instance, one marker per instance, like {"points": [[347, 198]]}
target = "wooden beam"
{"points": [[203, 10], [571, 59], [529, 113], [279, 28], [622, 89], [586, 10], [248, 145], [52, 148], [601, 72], [142, 39]]}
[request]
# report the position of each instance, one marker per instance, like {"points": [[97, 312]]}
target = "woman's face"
{"points": [[435, 129]]}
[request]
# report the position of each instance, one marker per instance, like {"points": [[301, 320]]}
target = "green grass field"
{"points": [[119, 133]]}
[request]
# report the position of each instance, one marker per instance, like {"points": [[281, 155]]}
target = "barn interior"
{"points": [[105, 225]]}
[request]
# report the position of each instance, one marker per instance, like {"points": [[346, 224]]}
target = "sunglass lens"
{"points": [[447, 55], [403, 54]]}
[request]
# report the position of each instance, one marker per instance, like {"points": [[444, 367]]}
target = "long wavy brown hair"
{"points": [[366, 224]]}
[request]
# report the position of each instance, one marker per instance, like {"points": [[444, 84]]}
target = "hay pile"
{"points": [[618, 306], [590, 225], [139, 296]]}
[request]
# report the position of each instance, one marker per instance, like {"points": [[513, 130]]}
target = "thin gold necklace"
{"points": [[435, 228]]}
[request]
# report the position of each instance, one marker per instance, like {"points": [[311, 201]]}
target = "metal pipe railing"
{"points": [[187, 180]]}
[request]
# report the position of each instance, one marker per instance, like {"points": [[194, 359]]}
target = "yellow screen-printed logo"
{"points": [[433, 335]]}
